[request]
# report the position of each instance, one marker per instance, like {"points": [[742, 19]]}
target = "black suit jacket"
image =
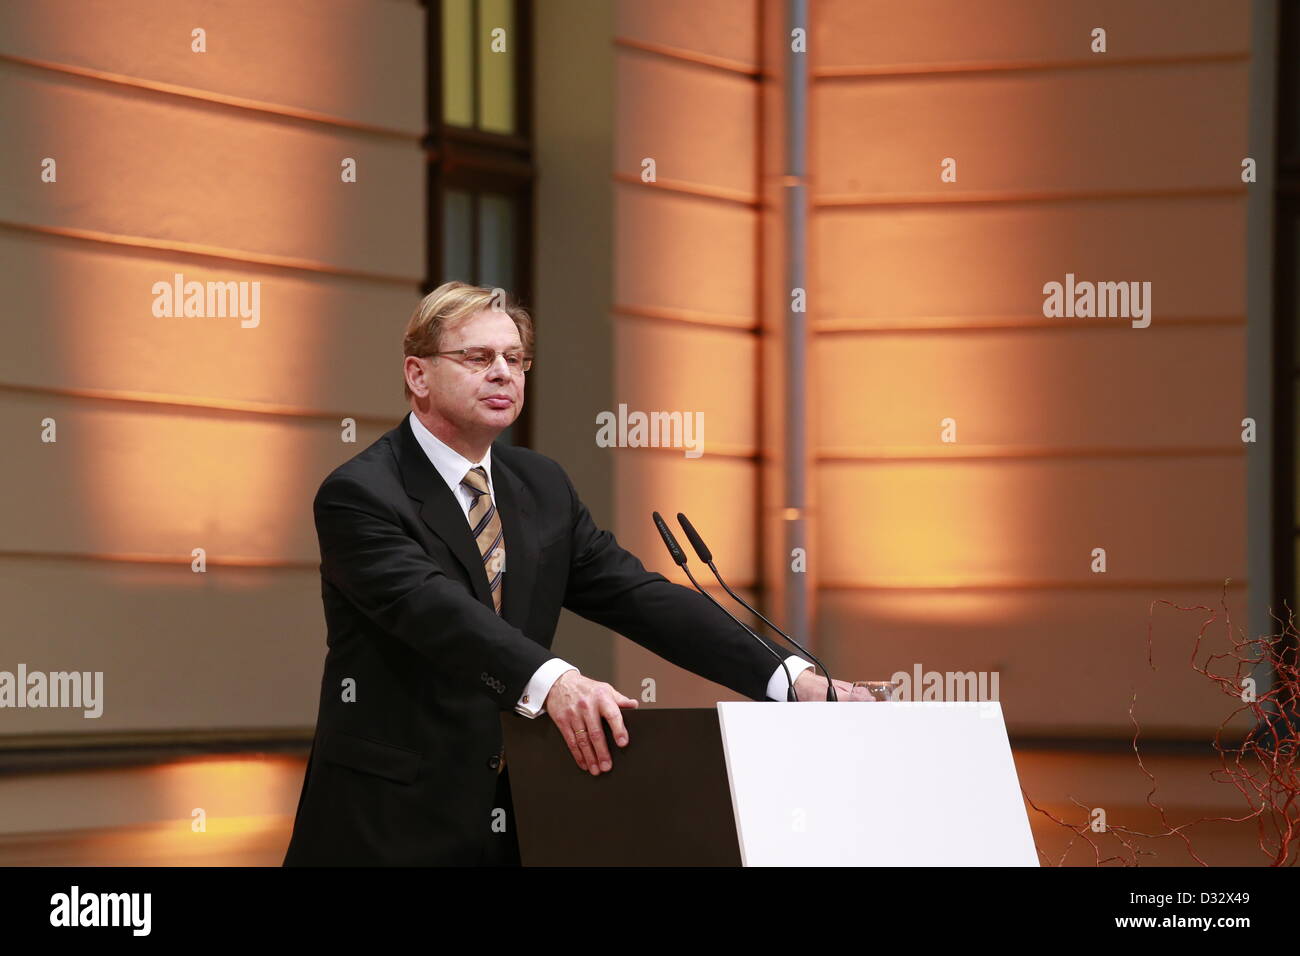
{"points": [[406, 773]]}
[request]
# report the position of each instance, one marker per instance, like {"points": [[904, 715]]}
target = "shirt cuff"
{"points": [[778, 688], [539, 685]]}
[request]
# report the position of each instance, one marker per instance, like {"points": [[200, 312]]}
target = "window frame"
{"points": [[477, 161]]}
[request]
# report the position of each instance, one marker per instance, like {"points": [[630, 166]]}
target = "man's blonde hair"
{"points": [[449, 303]]}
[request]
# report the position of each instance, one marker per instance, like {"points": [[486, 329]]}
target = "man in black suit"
{"points": [[445, 561]]}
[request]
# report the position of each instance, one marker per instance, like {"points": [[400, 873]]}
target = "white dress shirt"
{"points": [[452, 466]]}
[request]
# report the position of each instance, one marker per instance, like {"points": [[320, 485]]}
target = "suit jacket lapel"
{"points": [[442, 513], [516, 506], [440, 510]]}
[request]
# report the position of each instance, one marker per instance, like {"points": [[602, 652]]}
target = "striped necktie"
{"points": [[485, 525]]}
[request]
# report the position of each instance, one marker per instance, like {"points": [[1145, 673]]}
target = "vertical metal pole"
{"points": [[796, 329]]}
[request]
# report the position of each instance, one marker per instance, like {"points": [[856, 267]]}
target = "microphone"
{"points": [[679, 556], [705, 555]]}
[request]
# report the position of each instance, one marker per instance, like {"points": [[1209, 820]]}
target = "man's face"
{"points": [[476, 405]]}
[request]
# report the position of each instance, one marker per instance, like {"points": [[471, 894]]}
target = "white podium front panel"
{"points": [[876, 783]]}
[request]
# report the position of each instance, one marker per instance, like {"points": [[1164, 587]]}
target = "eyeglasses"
{"points": [[480, 358]]}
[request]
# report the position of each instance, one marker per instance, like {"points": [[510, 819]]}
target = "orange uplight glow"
{"points": [[226, 789]]}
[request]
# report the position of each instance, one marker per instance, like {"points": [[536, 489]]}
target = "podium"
{"points": [[896, 783]]}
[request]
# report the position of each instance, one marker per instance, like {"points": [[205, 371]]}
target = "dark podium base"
{"points": [[665, 803]]}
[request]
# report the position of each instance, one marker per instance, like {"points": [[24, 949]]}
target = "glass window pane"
{"points": [[496, 242], [457, 239], [497, 65], [457, 63]]}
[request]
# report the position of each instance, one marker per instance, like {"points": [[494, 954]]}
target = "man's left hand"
{"points": [[812, 686]]}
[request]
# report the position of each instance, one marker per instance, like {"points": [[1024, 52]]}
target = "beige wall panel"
{"points": [[987, 263], [684, 252], [720, 28], [1167, 386], [141, 164], [574, 263], [1133, 128], [888, 34], [357, 61], [717, 494], [1068, 661], [678, 366], [1014, 521], [229, 648], [136, 478], [321, 343], [698, 125]]}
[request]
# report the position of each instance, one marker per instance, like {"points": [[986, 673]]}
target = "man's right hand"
{"points": [[578, 705]]}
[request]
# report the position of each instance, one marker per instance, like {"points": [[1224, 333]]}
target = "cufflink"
{"points": [[525, 698]]}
